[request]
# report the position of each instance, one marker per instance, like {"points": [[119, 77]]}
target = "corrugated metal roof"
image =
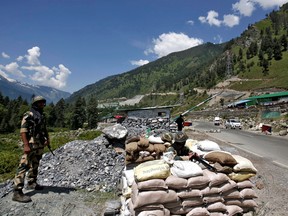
{"points": [[238, 102], [278, 94]]}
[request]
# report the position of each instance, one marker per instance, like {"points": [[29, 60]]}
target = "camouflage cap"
{"points": [[167, 137], [38, 98], [181, 137]]}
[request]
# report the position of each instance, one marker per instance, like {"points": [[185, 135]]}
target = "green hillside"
{"points": [[259, 56]]}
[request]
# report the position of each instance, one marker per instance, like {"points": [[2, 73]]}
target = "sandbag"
{"points": [[233, 210], [185, 169], [153, 197], [245, 184], [129, 176], [216, 207], [164, 212], [199, 211], [175, 182], [143, 142], [152, 184], [154, 140], [192, 202], [189, 193], [198, 182], [190, 143], [222, 157], [156, 169], [207, 145], [243, 165], [248, 193], [241, 176], [131, 147], [216, 178]]}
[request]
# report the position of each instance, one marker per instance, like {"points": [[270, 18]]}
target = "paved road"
{"points": [[274, 148]]}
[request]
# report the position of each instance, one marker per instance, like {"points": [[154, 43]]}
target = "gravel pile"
{"points": [[83, 164]]}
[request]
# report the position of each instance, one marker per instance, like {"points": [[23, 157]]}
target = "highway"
{"points": [[271, 147]]}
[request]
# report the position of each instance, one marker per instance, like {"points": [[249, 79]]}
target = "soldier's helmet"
{"points": [[167, 137], [180, 137], [38, 98]]}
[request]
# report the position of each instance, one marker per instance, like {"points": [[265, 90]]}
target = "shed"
{"points": [[150, 112]]}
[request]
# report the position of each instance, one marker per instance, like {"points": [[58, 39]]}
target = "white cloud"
{"points": [[231, 20], [55, 77], [20, 58], [190, 22], [247, 7], [266, 4], [211, 19], [244, 7], [218, 39], [4, 74], [172, 42], [4, 55], [139, 62], [13, 68], [33, 55]]}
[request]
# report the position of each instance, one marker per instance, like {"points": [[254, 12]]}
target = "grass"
{"points": [[11, 147]]}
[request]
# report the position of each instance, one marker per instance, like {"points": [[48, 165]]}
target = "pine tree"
{"points": [[78, 114], [92, 113]]}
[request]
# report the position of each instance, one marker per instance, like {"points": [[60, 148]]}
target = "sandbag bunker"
{"points": [[155, 184]]}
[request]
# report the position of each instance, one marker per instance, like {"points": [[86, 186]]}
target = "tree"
{"points": [[60, 109], [284, 42], [92, 113], [265, 65], [277, 50], [78, 114]]}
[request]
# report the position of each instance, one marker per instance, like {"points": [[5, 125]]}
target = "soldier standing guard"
{"points": [[35, 137]]}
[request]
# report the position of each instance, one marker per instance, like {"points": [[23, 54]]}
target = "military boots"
{"points": [[34, 186], [19, 196]]}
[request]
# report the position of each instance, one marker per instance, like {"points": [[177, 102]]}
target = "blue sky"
{"points": [[69, 44]]}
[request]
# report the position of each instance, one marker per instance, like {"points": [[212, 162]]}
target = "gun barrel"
{"points": [[207, 165], [49, 147]]}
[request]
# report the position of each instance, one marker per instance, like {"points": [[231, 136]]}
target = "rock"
{"points": [[283, 132]]}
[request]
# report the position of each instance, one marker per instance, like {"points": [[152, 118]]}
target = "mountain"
{"points": [[169, 73], [258, 57], [14, 89]]}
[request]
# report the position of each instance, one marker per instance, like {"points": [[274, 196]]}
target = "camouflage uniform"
{"points": [[36, 134]]}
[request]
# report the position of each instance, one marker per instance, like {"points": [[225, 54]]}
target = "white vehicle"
{"points": [[217, 120], [233, 124]]}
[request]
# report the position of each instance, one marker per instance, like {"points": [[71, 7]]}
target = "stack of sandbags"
{"points": [[183, 188], [149, 191], [236, 167], [141, 149], [243, 170]]}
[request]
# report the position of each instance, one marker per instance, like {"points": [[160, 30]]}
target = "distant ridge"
{"points": [[15, 89]]}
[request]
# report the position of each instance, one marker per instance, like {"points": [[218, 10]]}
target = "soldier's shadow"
{"points": [[49, 189]]}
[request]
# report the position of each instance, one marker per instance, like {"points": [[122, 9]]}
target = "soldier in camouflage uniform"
{"points": [[35, 137]]}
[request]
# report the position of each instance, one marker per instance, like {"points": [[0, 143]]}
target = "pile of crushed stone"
{"points": [[90, 165]]}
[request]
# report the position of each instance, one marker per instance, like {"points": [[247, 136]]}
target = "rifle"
{"points": [[196, 157], [49, 147]]}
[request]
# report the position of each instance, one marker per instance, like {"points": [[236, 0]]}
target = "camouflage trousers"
{"points": [[29, 164]]}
